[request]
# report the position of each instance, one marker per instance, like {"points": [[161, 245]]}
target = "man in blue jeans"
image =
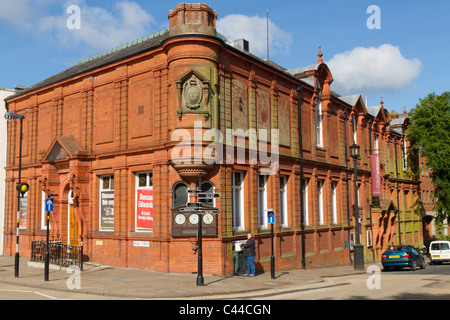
{"points": [[249, 252]]}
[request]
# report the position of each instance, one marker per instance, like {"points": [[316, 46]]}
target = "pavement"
{"points": [[107, 281]]}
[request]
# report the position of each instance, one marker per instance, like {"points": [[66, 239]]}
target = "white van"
{"points": [[439, 251]]}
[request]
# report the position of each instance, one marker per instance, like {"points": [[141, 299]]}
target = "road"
{"points": [[431, 283], [15, 292]]}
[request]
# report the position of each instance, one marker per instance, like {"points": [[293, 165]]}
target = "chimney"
{"points": [[192, 18], [242, 45]]}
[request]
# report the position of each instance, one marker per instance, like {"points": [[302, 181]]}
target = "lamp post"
{"points": [[22, 188], [359, 249]]}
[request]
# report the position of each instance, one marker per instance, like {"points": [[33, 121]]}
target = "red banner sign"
{"points": [[376, 176], [144, 209]]}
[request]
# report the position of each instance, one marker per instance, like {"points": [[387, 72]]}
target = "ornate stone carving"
{"points": [[193, 94]]}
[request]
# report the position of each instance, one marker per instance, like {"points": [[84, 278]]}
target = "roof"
{"points": [[398, 121], [129, 50], [351, 100], [298, 70]]}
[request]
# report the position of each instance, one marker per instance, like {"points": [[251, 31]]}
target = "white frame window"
{"points": [[355, 140], [318, 112], [208, 187], [262, 201], [305, 201], [106, 201], [144, 202], [375, 145], [283, 201], [238, 200], [43, 212], [320, 184], [334, 201]]}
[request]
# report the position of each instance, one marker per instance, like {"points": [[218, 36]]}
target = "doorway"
{"points": [[72, 221]]}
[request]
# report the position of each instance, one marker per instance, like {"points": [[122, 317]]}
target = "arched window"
{"points": [[208, 187], [179, 195]]}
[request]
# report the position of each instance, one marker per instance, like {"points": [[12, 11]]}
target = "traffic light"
{"points": [[22, 188]]}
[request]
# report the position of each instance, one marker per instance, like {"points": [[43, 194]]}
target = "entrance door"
{"points": [[73, 223]]}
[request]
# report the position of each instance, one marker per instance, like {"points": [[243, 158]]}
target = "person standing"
{"points": [[249, 252]]}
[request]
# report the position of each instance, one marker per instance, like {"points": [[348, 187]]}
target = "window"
{"points": [[319, 139], [43, 212], [262, 201], [334, 202], [238, 201], [144, 202], [106, 203], [179, 195], [283, 201], [208, 187], [405, 155], [354, 129], [320, 201], [305, 201], [375, 145]]}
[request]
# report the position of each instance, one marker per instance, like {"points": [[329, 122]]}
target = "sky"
{"points": [[394, 49]]}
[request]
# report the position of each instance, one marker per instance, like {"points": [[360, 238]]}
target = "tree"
{"points": [[430, 133]]}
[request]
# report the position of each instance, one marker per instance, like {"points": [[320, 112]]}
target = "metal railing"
{"points": [[59, 254]]}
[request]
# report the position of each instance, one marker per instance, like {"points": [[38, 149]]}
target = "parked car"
{"points": [[402, 256], [439, 251]]}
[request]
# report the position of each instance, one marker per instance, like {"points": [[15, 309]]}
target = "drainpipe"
{"points": [[300, 148], [348, 191]]}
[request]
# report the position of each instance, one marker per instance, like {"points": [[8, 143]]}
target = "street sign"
{"points": [[193, 205], [208, 195], [270, 216], [49, 205], [208, 211]]}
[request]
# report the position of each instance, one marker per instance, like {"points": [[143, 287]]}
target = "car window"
{"points": [[394, 248], [435, 246], [414, 251], [445, 246]]}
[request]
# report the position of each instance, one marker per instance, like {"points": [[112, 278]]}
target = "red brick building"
{"points": [[101, 136]]}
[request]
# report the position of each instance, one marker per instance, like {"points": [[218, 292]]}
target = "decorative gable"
{"points": [[64, 148]]}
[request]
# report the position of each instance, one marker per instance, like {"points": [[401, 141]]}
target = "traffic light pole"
{"points": [[200, 280], [47, 262], [16, 259], [272, 257]]}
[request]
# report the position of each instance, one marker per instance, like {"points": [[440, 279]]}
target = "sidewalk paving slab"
{"points": [[100, 280]]}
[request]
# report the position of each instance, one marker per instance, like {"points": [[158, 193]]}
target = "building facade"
{"points": [[122, 137]]}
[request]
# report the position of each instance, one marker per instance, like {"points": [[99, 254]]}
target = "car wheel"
{"points": [[413, 265], [424, 264]]}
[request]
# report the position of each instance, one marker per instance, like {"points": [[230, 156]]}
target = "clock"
{"points": [[193, 218], [180, 219], [208, 218]]}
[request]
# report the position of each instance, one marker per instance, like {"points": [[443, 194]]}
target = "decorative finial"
{"points": [[320, 55], [382, 102], [404, 112]]}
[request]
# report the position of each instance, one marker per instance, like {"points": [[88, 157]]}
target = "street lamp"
{"points": [[359, 250], [22, 188]]}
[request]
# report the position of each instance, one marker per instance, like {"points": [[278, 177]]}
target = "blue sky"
{"points": [[404, 60]]}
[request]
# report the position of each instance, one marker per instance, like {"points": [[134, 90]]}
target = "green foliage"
{"points": [[430, 133]]}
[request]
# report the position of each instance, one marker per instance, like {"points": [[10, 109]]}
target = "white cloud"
{"points": [[24, 15], [100, 29], [371, 69], [254, 29]]}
